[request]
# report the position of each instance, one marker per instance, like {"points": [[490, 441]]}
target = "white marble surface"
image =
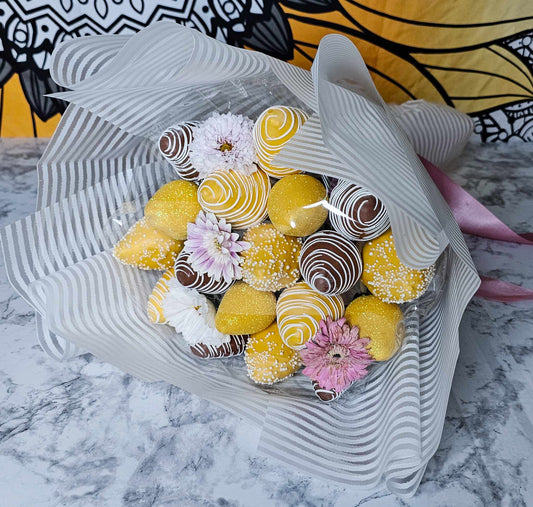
{"points": [[84, 433]]}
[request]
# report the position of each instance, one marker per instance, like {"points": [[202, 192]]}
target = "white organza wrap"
{"points": [[102, 165]]}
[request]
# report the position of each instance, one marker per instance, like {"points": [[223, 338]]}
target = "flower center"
{"points": [[336, 354], [225, 146], [220, 241]]}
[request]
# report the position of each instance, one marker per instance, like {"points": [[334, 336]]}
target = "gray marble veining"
{"points": [[84, 433]]}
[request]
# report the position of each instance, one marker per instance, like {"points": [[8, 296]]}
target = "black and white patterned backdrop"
{"points": [[30, 29]]}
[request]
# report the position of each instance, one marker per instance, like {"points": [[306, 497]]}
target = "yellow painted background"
{"points": [[17, 115], [454, 44]]}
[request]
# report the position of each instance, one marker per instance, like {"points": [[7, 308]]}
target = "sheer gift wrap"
{"points": [[102, 165]]}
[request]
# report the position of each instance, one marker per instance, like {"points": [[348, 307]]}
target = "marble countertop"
{"points": [[84, 433]]}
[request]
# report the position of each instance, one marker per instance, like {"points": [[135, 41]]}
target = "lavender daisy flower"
{"points": [[213, 248], [223, 142]]}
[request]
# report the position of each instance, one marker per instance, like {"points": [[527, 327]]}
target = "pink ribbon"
{"points": [[473, 218], [504, 292]]}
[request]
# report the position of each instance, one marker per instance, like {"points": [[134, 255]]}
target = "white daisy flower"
{"points": [[223, 142], [192, 315]]}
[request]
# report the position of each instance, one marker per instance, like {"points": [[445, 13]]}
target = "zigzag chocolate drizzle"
{"points": [[234, 347], [174, 145], [357, 215], [326, 395], [330, 263], [203, 283]]}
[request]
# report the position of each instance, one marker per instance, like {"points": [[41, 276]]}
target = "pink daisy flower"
{"points": [[336, 356], [213, 248]]}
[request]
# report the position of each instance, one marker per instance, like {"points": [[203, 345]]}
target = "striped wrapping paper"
{"points": [[102, 166]]}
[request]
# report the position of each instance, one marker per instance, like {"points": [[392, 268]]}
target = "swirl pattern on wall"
{"points": [[477, 58]]}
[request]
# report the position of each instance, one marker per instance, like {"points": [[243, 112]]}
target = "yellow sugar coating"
{"points": [[271, 262], [154, 309], [147, 248], [272, 130], [381, 322], [245, 310], [239, 198], [296, 205], [387, 277], [299, 311], [172, 207], [268, 359]]}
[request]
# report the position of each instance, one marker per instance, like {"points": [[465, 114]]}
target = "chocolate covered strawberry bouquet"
{"points": [[259, 258], [291, 269]]}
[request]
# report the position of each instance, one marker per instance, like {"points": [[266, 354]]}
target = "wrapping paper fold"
{"points": [[102, 165]]}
